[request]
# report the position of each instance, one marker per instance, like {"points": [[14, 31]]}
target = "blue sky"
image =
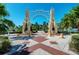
{"points": [[17, 11]]}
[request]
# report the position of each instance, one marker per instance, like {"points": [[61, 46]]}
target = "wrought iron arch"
{"points": [[40, 13]]}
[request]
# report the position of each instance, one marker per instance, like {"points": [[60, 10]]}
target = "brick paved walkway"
{"points": [[51, 50], [39, 39]]}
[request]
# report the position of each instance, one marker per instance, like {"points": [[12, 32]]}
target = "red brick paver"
{"points": [[33, 48], [52, 50], [39, 39]]}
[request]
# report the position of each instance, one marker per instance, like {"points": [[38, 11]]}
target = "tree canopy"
{"points": [[71, 19]]}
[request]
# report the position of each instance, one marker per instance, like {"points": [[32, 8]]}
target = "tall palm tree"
{"points": [[71, 19], [66, 22], [3, 11], [3, 28], [45, 26], [9, 23], [5, 24], [75, 12]]}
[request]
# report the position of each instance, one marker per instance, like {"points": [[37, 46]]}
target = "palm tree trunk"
{"points": [[78, 26]]}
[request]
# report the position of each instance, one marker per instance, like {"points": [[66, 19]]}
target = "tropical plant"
{"points": [[45, 26], [66, 22], [4, 45], [71, 19], [74, 44], [10, 24], [19, 29], [3, 11], [5, 24], [34, 27]]}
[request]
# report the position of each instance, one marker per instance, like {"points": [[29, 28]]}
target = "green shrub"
{"points": [[4, 45], [74, 44], [3, 37]]}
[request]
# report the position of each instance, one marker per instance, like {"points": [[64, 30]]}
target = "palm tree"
{"points": [[75, 12], [5, 24], [10, 23], [37, 26], [66, 22], [77, 24], [19, 29], [2, 28], [3, 11], [45, 26]]}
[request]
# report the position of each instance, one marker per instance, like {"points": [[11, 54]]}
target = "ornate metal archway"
{"points": [[52, 28], [41, 13]]}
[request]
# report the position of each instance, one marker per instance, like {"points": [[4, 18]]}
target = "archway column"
{"points": [[27, 25], [52, 28]]}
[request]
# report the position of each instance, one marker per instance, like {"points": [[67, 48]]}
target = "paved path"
{"points": [[39, 39], [50, 50]]}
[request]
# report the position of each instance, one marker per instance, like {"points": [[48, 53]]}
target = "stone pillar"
{"points": [[24, 27], [26, 24], [52, 26]]}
